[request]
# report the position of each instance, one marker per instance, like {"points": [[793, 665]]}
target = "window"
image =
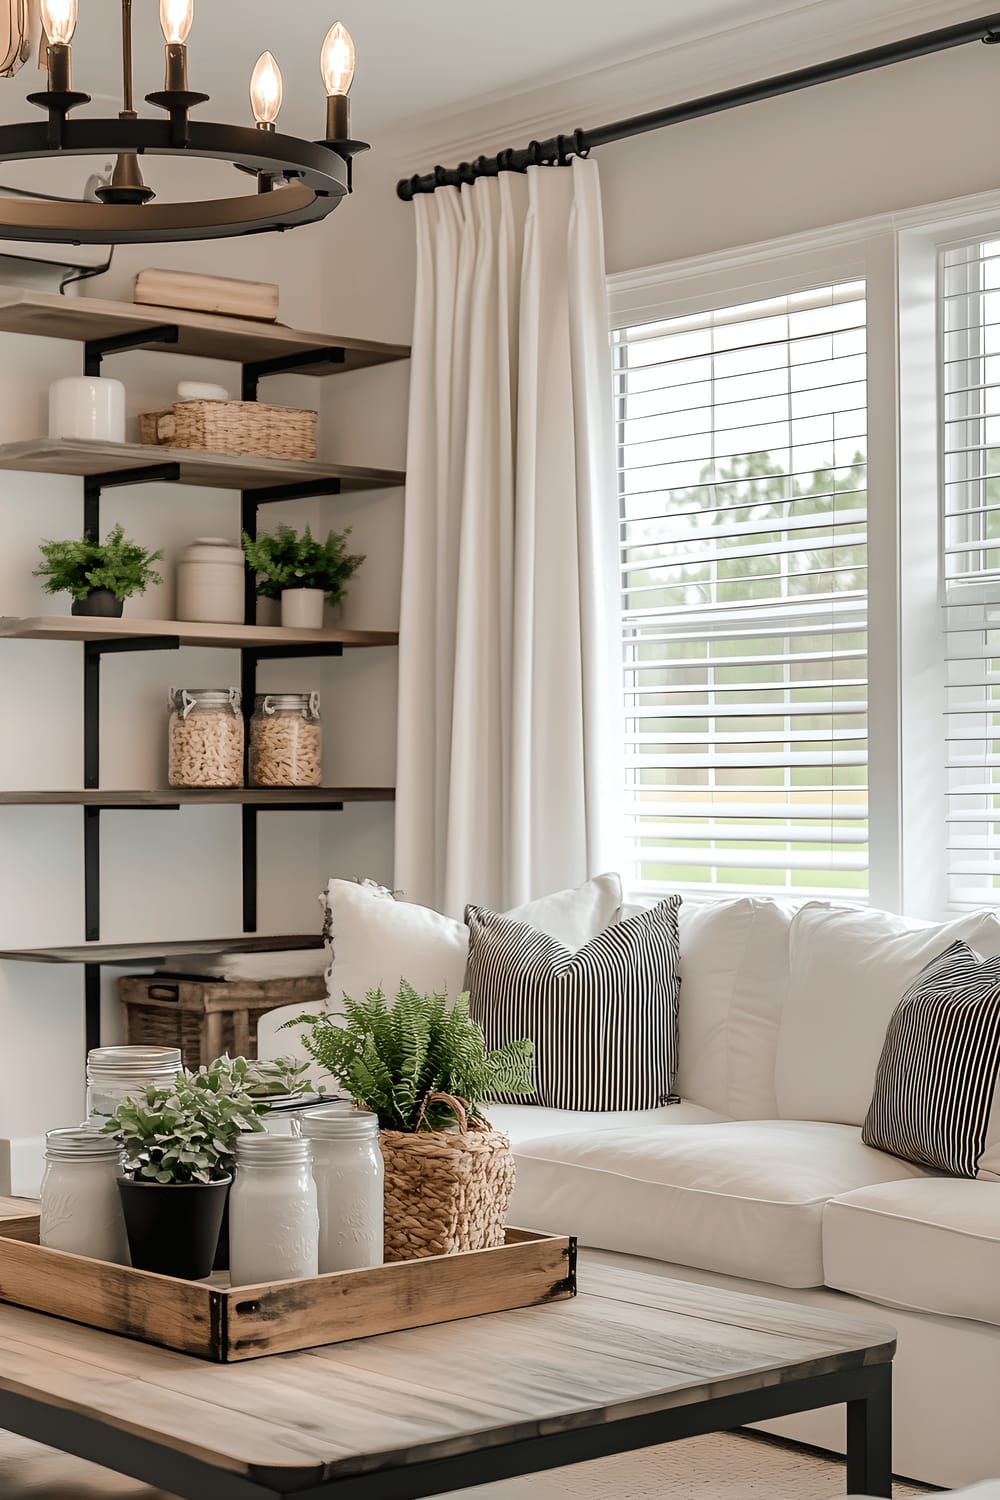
{"points": [[742, 463], [969, 281]]}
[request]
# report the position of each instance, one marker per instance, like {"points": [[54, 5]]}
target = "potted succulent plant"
{"points": [[422, 1065], [99, 575], [179, 1148], [301, 571]]}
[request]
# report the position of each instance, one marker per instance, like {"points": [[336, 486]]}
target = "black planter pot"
{"points": [[99, 602], [173, 1228]]}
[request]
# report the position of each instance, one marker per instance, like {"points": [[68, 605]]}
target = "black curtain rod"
{"points": [[559, 149]]}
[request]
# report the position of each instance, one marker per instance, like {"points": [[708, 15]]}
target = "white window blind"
{"points": [[969, 281], [742, 483]]}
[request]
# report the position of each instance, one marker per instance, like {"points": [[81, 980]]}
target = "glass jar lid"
{"points": [[184, 700], [80, 1144], [265, 1150], [134, 1059], [276, 703], [337, 1123]]}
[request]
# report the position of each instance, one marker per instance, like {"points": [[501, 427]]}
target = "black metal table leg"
{"points": [[869, 1437]]}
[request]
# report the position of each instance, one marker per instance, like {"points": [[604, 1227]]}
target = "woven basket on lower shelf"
{"points": [[206, 1017], [238, 427], [445, 1190]]}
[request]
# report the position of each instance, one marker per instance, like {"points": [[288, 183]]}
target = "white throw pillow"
{"points": [[849, 969], [734, 980], [376, 940]]}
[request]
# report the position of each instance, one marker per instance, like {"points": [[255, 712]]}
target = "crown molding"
{"points": [[795, 36]]}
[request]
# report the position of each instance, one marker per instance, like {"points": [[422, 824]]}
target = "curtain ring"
{"points": [[535, 153], [579, 145], [416, 184], [562, 156], [505, 160], [467, 172], [441, 176]]}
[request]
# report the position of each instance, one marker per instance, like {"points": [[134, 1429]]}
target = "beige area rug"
{"points": [[723, 1466]]}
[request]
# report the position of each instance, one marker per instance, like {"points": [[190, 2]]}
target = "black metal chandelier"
{"points": [[297, 181]]}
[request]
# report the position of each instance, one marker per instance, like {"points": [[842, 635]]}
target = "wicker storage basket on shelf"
{"points": [[446, 1190], [239, 427]]}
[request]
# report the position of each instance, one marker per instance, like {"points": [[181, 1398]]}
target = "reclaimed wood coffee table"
{"points": [[635, 1360]]}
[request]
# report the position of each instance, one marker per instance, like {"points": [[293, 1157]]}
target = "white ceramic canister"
{"points": [[88, 407], [273, 1217], [211, 576], [81, 1208], [117, 1073], [350, 1178]]}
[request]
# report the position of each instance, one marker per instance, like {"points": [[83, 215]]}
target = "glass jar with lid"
{"points": [[205, 737], [286, 740], [117, 1073], [350, 1178], [81, 1208], [273, 1218]]}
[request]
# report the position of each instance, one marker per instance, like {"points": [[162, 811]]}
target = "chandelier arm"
{"points": [[127, 91]]}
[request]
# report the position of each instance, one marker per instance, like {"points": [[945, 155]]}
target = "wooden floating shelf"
{"points": [[221, 471], [159, 952], [171, 797], [203, 335], [263, 637]]}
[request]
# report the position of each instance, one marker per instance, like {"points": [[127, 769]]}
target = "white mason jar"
{"points": [[273, 1218], [211, 575], [81, 1208], [117, 1073], [350, 1177]]}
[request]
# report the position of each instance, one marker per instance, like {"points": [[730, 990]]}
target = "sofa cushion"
{"points": [[377, 940], [935, 1096], [525, 1122], [744, 1198], [602, 1019], [734, 978], [849, 969], [931, 1245]]}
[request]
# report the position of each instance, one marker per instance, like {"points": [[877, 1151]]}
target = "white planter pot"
{"points": [[88, 407], [302, 609]]}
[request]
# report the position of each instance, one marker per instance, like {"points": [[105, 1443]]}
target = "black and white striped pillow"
{"points": [[603, 1019], [935, 1096]]}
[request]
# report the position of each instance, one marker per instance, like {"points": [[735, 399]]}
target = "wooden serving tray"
{"points": [[228, 1324]]}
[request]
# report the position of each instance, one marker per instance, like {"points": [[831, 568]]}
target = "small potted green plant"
{"points": [[422, 1065], [99, 575], [179, 1148], [301, 571]]}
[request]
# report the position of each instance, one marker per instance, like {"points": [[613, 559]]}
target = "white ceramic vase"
{"points": [[302, 609], [87, 407]]}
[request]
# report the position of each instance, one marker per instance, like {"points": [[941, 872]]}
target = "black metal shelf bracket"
{"points": [[93, 484], [92, 1005], [94, 350], [284, 364], [303, 489]]}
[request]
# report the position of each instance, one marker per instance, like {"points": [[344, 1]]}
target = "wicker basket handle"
{"points": [[456, 1106]]}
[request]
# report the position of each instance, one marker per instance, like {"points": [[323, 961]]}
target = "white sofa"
{"points": [[758, 1180]]}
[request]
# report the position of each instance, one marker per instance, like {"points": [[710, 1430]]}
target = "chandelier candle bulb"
{"points": [[337, 64], [266, 90], [176, 18]]}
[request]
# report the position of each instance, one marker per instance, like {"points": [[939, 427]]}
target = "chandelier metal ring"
{"points": [[317, 178]]}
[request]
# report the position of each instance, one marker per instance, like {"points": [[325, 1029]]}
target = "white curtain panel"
{"points": [[509, 762]]}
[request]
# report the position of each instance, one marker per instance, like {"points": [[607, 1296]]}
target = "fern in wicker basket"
{"points": [[392, 1059], [423, 1067]]}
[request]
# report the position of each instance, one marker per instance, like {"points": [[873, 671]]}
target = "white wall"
{"points": [[175, 874]]}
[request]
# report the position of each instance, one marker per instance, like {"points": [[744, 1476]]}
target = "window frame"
{"points": [[803, 263]]}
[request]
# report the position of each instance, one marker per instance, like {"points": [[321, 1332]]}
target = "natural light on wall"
{"points": [[969, 281], [742, 480]]}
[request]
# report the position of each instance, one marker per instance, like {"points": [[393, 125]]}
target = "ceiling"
{"points": [[415, 57]]}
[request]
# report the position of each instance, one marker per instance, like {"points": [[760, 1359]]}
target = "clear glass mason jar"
{"points": [[81, 1209], [350, 1177], [286, 740], [117, 1073], [273, 1218], [205, 737]]}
